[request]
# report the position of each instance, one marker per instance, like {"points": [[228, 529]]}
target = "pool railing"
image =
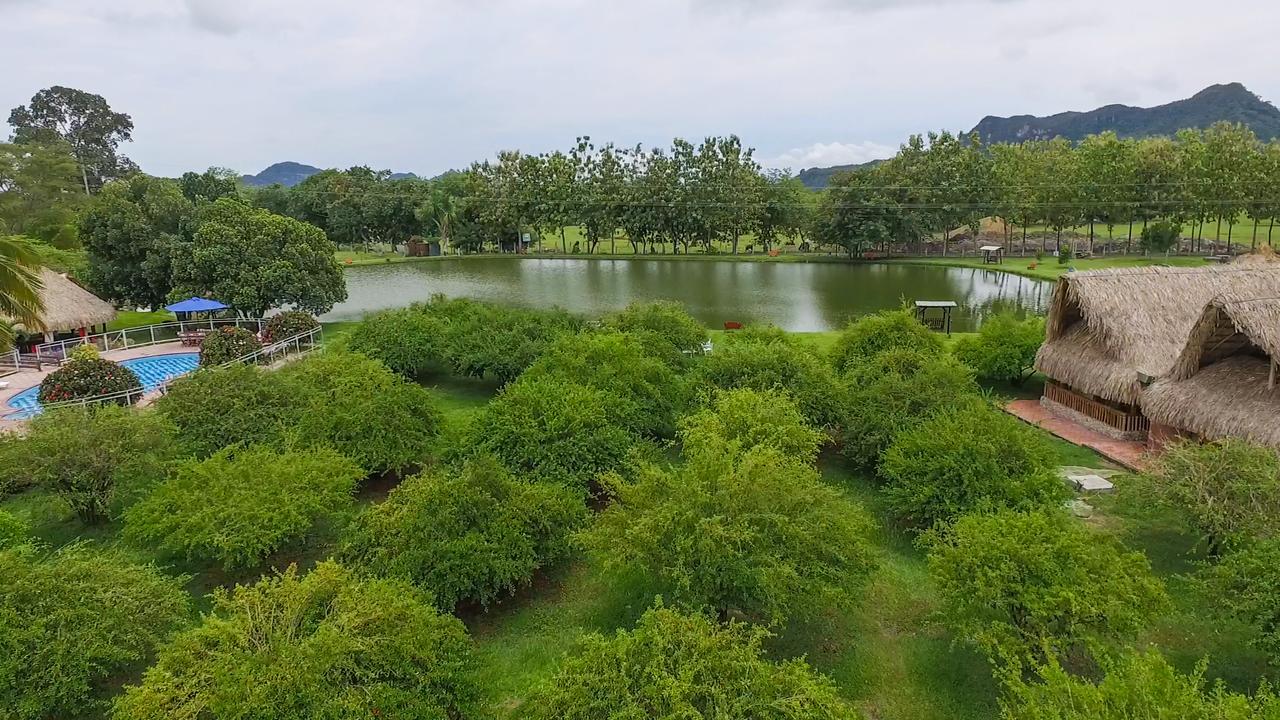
{"points": [[54, 353], [299, 344]]}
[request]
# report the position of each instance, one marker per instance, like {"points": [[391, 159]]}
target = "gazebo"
{"points": [[992, 254], [68, 308], [942, 322]]}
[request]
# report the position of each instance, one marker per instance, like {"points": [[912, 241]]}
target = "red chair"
{"points": [[731, 325]]}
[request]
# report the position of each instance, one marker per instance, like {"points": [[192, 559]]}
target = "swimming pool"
{"points": [[152, 371]]}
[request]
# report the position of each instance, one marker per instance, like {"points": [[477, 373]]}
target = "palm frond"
{"points": [[20, 282]]}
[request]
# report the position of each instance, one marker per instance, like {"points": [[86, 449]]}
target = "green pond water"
{"points": [[801, 297]]}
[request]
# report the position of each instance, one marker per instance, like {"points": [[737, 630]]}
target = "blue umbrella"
{"points": [[195, 304]]}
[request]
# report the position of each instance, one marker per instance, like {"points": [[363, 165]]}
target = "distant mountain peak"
{"points": [[290, 173]]}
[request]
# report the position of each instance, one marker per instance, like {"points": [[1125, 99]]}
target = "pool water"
{"points": [[152, 371]]}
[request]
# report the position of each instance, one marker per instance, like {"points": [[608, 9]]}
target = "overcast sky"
{"points": [[427, 85]]}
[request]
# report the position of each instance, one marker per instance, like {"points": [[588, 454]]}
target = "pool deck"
{"points": [[27, 379]]}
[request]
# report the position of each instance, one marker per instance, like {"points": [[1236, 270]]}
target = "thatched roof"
{"points": [[1224, 329], [1229, 398], [1109, 329], [67, 306]]}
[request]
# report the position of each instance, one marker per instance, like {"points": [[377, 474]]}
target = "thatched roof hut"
{"points": [[69, 307], [1224, 381], [1110, 331]]}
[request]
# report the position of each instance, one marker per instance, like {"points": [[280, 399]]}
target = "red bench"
{"points": [[731, 325]]}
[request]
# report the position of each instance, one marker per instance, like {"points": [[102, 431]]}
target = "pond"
{"points": [[800, 297]]}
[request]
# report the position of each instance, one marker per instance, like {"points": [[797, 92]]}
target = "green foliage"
{"points": [[84, 351], [1228, 490], [667, 321], [71, 620], [483, 340], [651, 392], [96, 459], [215, 408], [765, 360], [1026, 585], [325, 645], [82, 378], [1245, 584], [471, 536], [40, 192], [674, 666], [238, 507], [361, 409], [82, 121], [556, 430], [755, 532], [1160, 236], [1137, 685], [871, 335], [973, 458], [744, 418], [287, 324], [132, 230], [892, 392], [13, 530], [254, 260], [227, 344], [1005, 348], [410, 340]]}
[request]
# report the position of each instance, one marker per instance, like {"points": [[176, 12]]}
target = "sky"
{"points": [[428, 85]]}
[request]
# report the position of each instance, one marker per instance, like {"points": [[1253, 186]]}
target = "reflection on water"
{"points": [[801, 297]]}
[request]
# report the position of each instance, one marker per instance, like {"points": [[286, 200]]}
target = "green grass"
{"points": [[135, 318], [1049, 269]]}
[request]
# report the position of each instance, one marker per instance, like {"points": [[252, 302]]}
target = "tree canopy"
{"points": [[86, 123]]}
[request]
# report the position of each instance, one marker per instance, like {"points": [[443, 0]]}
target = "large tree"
{"points": [[85, 122], [254, 260], [39, 192]]}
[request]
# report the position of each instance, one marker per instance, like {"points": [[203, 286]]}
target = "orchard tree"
{"points": [[134, 231], [674, 666], [738, 420], [254, 261], [1028, 587], [324, 644], [86, 123], [768, 361], [667, 322], [74, 620], [214, 408], [210, 185], [873, 334], [40, 192], [754, 532], [1245, 586], [1005, 348]]}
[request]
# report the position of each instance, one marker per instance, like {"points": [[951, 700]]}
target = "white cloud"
{"points": [[221, 17], [827, 154]]}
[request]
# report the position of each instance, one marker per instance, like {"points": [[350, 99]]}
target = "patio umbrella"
{"points": [[195, 304]]}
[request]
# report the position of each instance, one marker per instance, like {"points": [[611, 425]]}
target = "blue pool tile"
{"points": [[152, 371]]}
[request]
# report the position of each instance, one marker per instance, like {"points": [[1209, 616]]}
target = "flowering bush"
{"points": [[288, 324], [226, 344], [86, 377]]}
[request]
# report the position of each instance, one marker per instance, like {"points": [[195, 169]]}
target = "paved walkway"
{"points": [[1128, 453]]}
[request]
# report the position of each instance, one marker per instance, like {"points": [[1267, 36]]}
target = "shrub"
{"points": [[1229, 490], [760, 361], [665, 320], [84, 351], [483, 340], [226, 344], [83, 378], [551, 429], [470, 537], [1245, 585], [215, 408], [1161, 236], [1005, 348], [968, 459], [1137, 685], [410, 341], [673, 665], [238, 509], [13, 530], [71, 620], [744, 419], [756, 533], [96, 459], [323, 645], [1022, 584], [894, 391], [363, 410], [651, 392], [287, 324], [871, 335]]}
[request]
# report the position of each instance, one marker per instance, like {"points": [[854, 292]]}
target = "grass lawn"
{"points": [[134, 318], [1049, 269]]}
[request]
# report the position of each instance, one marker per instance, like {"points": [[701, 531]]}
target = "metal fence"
{"points": [[299, 344], [55, 352]]}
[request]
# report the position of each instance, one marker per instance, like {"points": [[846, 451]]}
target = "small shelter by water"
{"points": [[1224, 383], [186, 308], [68, 308], [939, 321], [1111, 332], [992, 254]]}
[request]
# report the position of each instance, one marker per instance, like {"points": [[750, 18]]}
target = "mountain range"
{"points": [[1232, 102], [290, 173]]}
